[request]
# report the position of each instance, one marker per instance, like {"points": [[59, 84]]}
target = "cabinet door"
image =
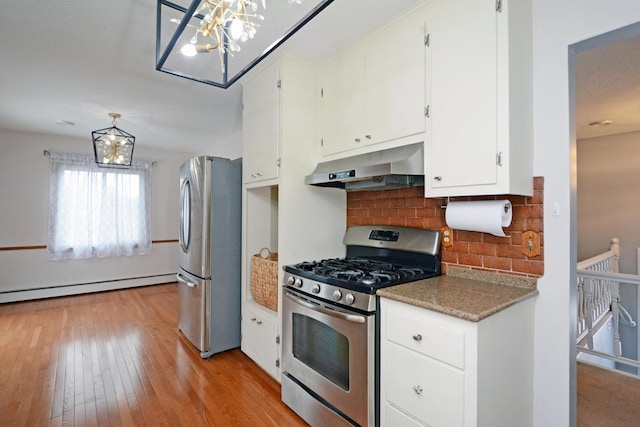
{"points": [[259, 333], [395, 82], [342, 103], [428, 390], [261, 126], [463, 105]]}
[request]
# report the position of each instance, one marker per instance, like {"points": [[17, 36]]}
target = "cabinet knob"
{"points": [[253, 319], [259, 322], [437, 178], [368, 136], [417, 337], [357, 140], [418, 389]]}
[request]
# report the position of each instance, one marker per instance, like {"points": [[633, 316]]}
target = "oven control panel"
{"points": [[384, 235], [331, 293]]}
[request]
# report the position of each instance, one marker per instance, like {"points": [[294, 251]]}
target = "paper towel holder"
{"points": [[445, 206], [506, 207], [482, 221]]}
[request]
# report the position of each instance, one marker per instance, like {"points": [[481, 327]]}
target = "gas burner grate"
{"points": [[360, 270]]}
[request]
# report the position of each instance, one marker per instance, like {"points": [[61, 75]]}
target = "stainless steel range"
{"points": [[330, 328]]}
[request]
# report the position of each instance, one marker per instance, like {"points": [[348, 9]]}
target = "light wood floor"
{"points": [[117, 359]]}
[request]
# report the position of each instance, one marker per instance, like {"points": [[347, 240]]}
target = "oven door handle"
{"points": [[355, 318]]}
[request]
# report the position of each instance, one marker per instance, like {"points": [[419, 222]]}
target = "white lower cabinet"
{"points": [[260, 336], [439, 370], [396, 417], [411, 387]]}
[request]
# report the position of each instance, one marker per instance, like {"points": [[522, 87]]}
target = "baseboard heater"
{"points": [[83, 288]]}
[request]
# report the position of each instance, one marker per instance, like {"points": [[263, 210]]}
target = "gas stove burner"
{"points": [[379, 276], [411, 271], [352, 275], [307, 265]]}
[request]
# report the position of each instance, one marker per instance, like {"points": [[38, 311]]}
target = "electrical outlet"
{"points": [[447, 236]]}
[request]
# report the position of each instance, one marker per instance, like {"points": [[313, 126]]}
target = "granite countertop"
{"points": [[467, 294]]}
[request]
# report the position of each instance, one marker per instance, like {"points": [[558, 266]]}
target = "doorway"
{"points": [[604, 95]]}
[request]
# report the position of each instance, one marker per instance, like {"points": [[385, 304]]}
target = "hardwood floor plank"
{"points": [[118, 359]]}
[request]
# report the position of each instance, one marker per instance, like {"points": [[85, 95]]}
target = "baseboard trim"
{"points": [[84, 288]]}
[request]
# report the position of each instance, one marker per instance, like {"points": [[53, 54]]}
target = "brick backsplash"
{"points": [[481, 251]]}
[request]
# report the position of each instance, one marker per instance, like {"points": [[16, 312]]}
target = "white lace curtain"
{"points": [[98, 212]]}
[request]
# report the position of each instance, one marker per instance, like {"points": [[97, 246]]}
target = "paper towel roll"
{"points": [[486, 216]]}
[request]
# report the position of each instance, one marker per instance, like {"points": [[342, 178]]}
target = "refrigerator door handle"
{"points": [[186, 281], [185, 216]]}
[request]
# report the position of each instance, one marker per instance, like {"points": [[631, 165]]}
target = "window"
{"points": [[98, 212]]}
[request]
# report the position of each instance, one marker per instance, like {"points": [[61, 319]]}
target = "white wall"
{"points": [[608, 203], [24, 196], [557, 25]]}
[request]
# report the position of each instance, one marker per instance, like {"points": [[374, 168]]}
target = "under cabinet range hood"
{"points": [[388, 169]]}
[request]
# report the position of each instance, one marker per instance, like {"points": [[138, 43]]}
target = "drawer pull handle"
{"points": [[417, 337], [418, 389]]}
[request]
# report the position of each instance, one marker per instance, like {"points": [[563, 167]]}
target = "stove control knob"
{"points": [[290, 280], [297, 282], [315, 289], [350, 299], [337, 295]]}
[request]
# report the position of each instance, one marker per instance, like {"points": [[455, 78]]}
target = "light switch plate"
{"points": [[531, 243]]}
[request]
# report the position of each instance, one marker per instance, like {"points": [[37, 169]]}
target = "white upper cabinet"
{"points": [[260, 126], [342, 102], [480, 98], [395, 81], [375, 91]]}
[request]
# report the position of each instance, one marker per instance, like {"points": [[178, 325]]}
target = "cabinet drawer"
{"points": [[444, 344], [424, 388], [394, 418]]}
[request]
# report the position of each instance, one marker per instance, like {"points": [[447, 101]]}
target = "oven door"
{"points": [[330, 352]]}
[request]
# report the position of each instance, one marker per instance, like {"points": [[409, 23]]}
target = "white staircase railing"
{"points": [[591, 279], [599, 299], [594, 302]]}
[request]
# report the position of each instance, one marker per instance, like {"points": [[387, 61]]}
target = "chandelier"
{"points": [[112, 146], [225, 23], [221, 26]]}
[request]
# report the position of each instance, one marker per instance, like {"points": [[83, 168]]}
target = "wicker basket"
{"points": [[264, 278]]}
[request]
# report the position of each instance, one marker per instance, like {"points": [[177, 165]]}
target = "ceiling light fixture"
{"points": [[113, 147], [220, 26]]}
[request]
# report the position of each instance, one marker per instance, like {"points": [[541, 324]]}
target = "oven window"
{"points": [[321, 348]]}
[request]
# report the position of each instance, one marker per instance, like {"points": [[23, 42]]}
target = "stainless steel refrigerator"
{"points": [[209, 246]]}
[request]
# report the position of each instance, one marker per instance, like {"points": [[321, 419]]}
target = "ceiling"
{"points": [[608, 89], [77, 60]]}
